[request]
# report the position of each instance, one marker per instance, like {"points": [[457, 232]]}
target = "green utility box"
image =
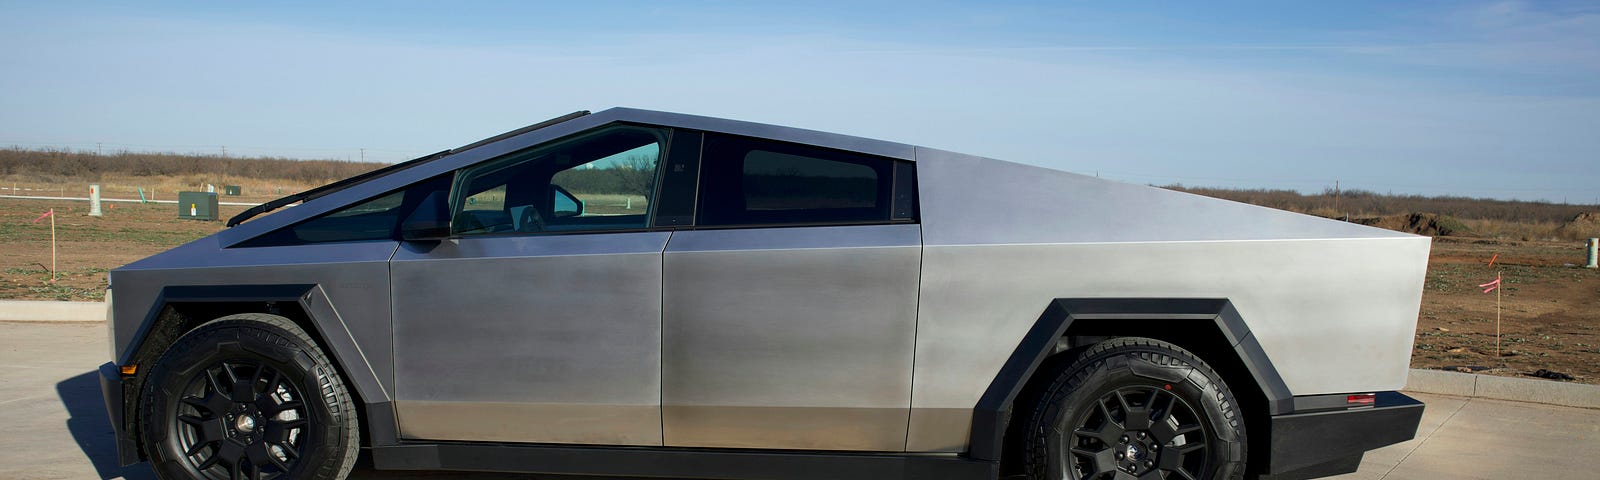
{"points": [[232, 190], [197, 205]]}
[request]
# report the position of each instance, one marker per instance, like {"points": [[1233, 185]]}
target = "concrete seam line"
{"points": [[1425, 439]]}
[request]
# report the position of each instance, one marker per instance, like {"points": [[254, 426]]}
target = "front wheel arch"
{"points": [[247, 394], [178, 309]]}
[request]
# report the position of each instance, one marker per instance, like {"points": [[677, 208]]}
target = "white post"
{"points": [[94, 199], [1594, 253], [52, 246]]}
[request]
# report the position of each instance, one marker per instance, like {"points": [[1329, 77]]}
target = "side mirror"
{"points": [[429, 221], [564, 203]]}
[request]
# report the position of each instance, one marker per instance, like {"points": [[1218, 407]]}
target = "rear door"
{"points": [[539, 321], [789, 319]]}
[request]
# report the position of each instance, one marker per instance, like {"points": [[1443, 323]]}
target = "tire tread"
{"points": [[1083, 363], [273, 330]]}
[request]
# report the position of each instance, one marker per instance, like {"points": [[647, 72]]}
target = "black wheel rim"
{"points": [[1144, 432], [241, 419]]}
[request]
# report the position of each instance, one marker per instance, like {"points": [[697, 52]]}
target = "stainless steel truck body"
{"points": [[634, 292]]}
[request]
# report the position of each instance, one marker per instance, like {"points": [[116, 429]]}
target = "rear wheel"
{"points": [[247, 397], [1134, 408]]}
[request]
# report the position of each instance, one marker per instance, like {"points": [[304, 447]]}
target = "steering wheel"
{"points": [[531, 220]]}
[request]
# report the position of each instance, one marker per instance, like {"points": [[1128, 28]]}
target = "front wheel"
{"points": [[1132, 408], [247, 397]]}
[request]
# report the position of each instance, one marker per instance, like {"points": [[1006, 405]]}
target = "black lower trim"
{"points": [[112, 390], [383, 430], [1305, 441], [678, 462], [1338, 466]]}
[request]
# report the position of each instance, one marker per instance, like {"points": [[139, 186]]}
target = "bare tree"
{"points": [[636, 175]]}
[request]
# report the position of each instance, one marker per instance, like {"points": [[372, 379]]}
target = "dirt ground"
{"points": [[86, 247], [1550, 304], [1550, 309]]}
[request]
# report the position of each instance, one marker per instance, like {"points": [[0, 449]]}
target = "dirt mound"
{"points": [[1583, 225], [1419, 223]]}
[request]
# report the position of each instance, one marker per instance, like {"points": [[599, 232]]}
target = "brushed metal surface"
{"points": [[520, 339], [969, 200], [1333, 315], [579, 423], [353, 276], [1333, 305], [794, 338]]}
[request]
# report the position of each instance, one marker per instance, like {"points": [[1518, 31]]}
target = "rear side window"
{"points": [[757, 182]]}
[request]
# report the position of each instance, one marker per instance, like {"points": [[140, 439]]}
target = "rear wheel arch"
{"points": [[1210, 328]]}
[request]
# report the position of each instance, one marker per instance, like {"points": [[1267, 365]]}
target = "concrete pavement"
{"points": [[53, 425], [1477, 438]]}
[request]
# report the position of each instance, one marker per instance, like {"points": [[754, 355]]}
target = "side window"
{"points": [[757, 182], [375, 219], [603, 180]]}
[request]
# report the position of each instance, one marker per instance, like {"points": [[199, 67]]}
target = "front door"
{"points": [[540, 319]]}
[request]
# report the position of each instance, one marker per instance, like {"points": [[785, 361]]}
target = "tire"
{"points": [[1086, 424], [247, 396]]}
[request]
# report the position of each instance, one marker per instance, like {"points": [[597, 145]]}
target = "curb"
{"points": [[1504, 388], [47, 311]]}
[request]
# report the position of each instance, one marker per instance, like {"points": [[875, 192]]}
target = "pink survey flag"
{"points": [[1489, 287], [46, 214]]}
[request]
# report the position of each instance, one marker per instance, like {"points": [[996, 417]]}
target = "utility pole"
{"points": [[1336, 200], [97, 149], [224, 151], [363, 155]]}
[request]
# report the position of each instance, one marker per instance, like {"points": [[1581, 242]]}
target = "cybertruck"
{"points": [[640, 293]]}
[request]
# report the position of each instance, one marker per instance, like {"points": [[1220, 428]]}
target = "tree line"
{"points": [[1364, 203], [47, 163]]}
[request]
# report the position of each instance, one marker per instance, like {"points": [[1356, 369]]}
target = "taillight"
{"points": [[1361, 399]]}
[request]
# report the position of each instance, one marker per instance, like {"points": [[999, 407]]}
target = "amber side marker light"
{"points": [[129, 369], [1354, 400]]}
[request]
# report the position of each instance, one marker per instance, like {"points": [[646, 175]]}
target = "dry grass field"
{"points": [[86, 246]]}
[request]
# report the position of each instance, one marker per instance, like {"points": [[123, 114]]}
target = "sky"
{"points": [[1479, 99]]}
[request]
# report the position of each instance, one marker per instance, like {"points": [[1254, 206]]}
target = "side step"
{"points": [[726, 464]]}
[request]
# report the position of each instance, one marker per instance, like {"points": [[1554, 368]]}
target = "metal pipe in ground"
{"points": [[1594, 253], [94, 199]]}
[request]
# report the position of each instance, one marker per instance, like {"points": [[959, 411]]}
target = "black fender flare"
{"points": [[992, 414], [341, 346]]}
